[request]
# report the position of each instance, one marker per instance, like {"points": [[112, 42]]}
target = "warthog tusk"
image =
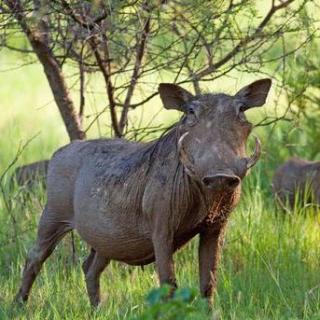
{"points": [[184, 157], [252, 160]]}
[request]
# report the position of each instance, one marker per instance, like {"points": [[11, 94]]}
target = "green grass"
{"points": [[270, 262], [269, 268]]}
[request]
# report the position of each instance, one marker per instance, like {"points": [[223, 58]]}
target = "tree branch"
{"points": [[105, 70], [139, 55], [244, 41]]}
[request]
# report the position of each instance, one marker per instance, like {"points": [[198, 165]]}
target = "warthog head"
{"points": [[214, 131]]}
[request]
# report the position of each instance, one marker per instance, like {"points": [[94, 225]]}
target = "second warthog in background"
{"points": [[297, 179]]}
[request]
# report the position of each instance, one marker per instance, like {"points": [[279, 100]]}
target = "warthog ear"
{"points": [[173, 96], [254, 95]]}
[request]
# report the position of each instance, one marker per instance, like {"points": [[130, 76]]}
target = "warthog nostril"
{"points": [[221, 181], [206, 181], [233, 181]]}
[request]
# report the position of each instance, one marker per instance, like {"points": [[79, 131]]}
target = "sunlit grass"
{"points": [[269, 269]]}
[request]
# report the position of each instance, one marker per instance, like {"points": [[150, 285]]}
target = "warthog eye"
{"points": [[191, 117]]}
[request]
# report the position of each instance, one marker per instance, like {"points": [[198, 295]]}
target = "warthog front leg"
{"points": [[163, 250], [93, 273], [209, 254]]}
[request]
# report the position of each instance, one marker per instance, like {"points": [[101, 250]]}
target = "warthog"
{"points": [[297, 178], [27, 175], [140, 202]]}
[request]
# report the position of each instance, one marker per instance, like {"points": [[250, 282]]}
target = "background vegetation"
{"points": [[270, 263]]}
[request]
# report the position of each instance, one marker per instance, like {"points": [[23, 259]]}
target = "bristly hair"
{"points": [[166, 136]]}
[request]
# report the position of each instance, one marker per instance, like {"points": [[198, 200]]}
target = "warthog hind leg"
{"points": [[93, 267], [50, 232], [87, 263]]}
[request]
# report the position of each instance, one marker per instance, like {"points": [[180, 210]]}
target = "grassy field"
{"points": [[270, 263]]}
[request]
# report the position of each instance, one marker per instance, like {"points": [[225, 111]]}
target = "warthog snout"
{"points": [[221, 181], [229, 179]]}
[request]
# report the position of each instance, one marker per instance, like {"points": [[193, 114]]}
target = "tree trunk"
{"points": [[38, 38], [59, 89]]}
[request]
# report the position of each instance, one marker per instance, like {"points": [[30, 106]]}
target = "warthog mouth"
{"points": [[227, 179]]}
